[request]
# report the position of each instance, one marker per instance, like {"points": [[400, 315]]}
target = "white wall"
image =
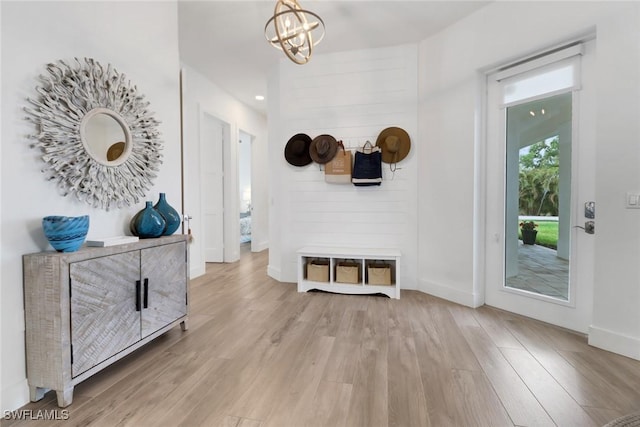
{"points": [[450, 126], [352, 96], [199, 94], [1, 228], [616, 313], [141, 41]]}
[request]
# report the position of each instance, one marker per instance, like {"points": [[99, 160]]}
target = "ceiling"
{"points": [[537, 120], [224, 40]]}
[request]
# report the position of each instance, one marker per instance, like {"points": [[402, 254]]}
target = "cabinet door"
{"points": [[164, 276], [104, 319]]}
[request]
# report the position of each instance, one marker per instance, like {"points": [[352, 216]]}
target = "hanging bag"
{"points": [[367, 168], [338, 170]]}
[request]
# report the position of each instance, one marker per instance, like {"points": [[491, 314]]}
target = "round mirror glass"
{"points": [[105, 136]]}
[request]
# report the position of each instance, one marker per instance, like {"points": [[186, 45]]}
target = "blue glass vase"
{"points": [[170, 215], [66, 233], [148, 223]]}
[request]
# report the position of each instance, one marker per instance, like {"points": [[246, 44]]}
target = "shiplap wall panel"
{"points": [[353, 97]]}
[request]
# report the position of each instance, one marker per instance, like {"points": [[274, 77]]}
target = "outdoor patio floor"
{"points": [[541, 271]]}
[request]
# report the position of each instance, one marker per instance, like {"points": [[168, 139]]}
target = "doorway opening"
{"points": [[244, 185], [214, 134]]}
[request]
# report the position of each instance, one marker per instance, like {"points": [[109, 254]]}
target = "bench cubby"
{"points": [[362, 258]]}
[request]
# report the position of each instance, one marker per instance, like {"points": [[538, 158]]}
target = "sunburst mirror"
{"points": [[98, 139]]}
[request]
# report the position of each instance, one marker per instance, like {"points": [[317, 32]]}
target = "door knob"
{"points": [[589, 227]]}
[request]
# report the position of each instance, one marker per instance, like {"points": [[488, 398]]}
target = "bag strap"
{"points": [[369, 148], [341, 145], [364, 147]]}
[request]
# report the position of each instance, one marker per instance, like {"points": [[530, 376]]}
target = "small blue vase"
{"points": [[170, 215], [148, 223], [66, 233]]}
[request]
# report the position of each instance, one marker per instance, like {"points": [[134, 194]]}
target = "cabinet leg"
{"points": [[36, 393], [65, 397], [184, 325]]}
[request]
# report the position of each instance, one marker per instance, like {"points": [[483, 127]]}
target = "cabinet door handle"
{"points": [[146, 293], [137, 295]]}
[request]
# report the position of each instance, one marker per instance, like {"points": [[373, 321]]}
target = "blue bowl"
{"points": [[66, 233]]}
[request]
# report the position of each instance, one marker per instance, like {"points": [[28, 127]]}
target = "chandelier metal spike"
{"points": [[294, 30]]}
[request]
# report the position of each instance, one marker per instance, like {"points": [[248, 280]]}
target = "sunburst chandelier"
{"points": [[294, 30]]}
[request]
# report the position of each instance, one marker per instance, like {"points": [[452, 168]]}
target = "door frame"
{"points": [[202, 188], [487, 236], [230, 213], [192, 189]]}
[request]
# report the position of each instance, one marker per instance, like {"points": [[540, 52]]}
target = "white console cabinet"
{"points": [[362, 258], [85, 310]]}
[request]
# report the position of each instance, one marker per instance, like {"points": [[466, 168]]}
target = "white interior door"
{"points": [[212, 186], [519, 277]]}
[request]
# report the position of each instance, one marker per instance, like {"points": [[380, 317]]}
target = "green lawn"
{"points": [[547, 234]]}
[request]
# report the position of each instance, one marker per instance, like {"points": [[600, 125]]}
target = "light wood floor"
{"points": [[260, 354]]}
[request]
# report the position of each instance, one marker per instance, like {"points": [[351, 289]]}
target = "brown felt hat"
{"points": [[394, 143], [323, 148], [296, 152]]}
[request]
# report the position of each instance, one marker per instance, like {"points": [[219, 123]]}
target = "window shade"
{"points": [[553, 74]]}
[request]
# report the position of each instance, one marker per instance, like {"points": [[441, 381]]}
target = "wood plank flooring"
{"points": [[259, 354]]}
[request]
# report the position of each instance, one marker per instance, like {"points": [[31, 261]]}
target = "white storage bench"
{"points": [[368, 263]]}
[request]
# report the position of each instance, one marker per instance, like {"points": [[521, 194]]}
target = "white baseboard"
{"points": [[196, 271], [468, 299], [614, 342], [259, 246], [274, 273]]}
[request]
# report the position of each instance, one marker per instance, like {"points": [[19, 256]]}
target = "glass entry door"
{"points": [[538, 173], [538, 196]]}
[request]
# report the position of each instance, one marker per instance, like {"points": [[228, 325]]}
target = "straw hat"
{"points": [[296, 152], [394, 143], [323, 148]]}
